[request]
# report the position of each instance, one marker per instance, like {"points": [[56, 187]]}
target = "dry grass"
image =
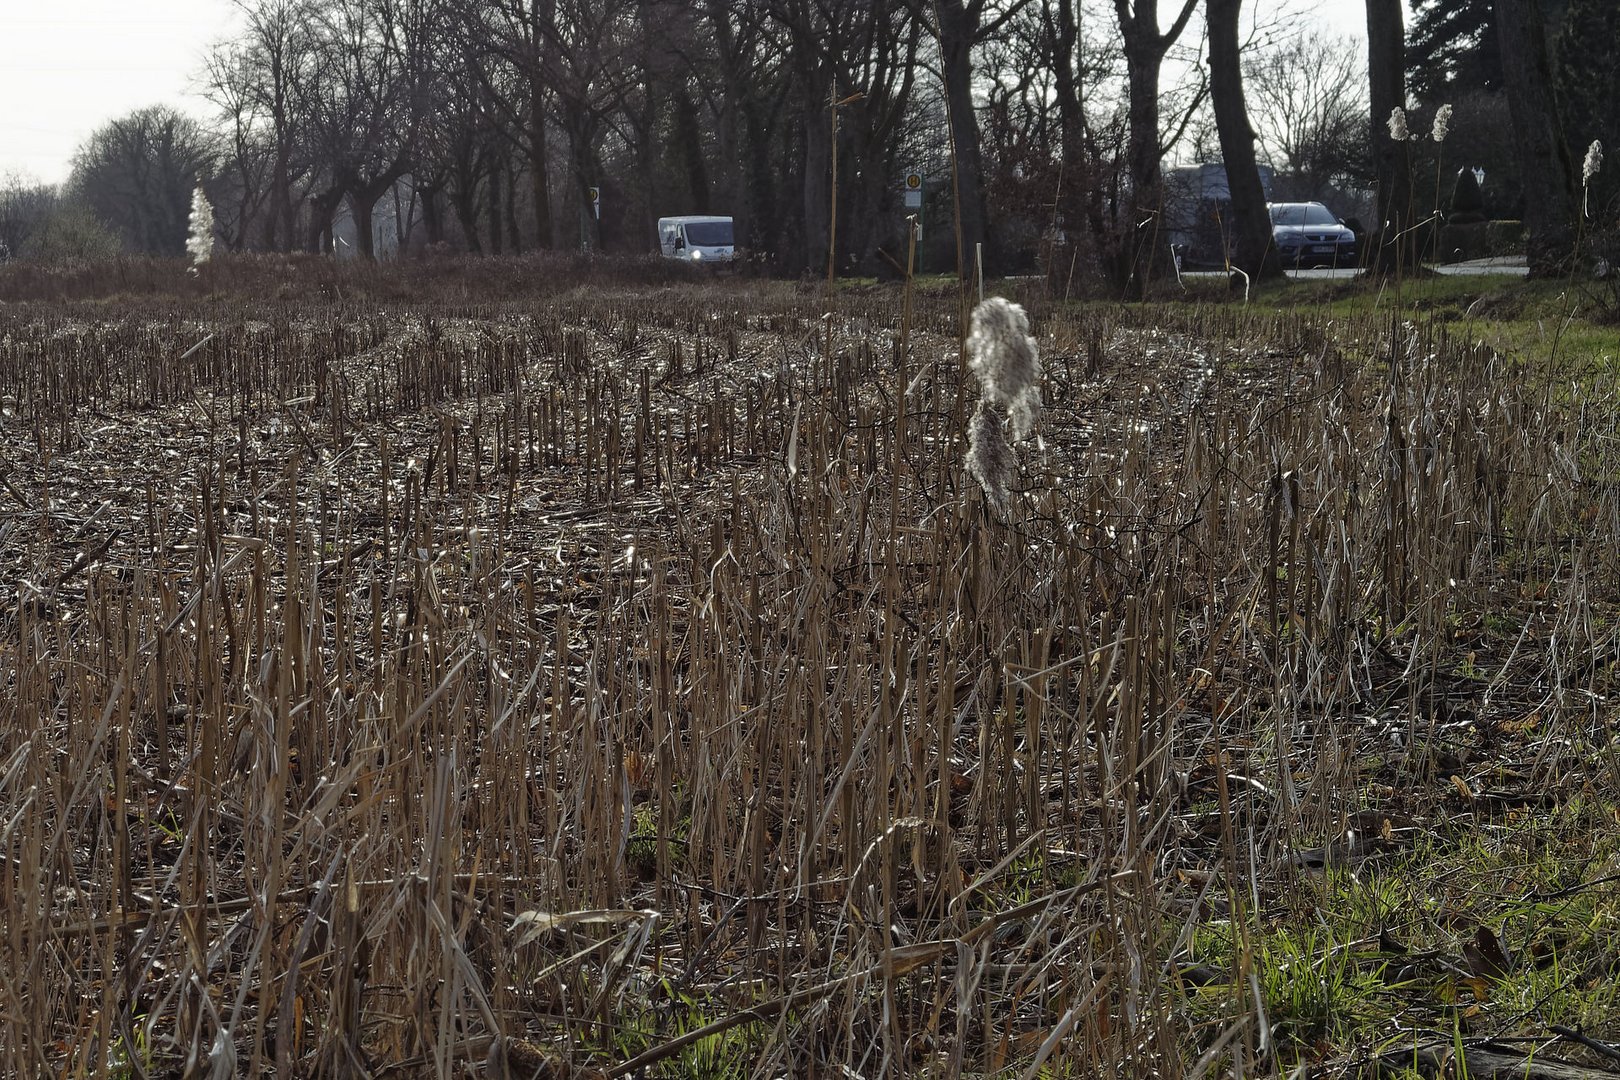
{"points": [[435, 280], [383, 682]]}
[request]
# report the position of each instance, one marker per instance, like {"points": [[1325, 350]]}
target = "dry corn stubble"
{"points": [[381, 684]]}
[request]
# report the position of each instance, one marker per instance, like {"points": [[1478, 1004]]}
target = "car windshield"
{"points": [[709, 233], [1302, 214]]}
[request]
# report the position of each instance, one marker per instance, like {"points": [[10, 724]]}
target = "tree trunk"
{"points": [[817, 179], [868, 219], [958, 26], [464, 201], [758, 229], [493, 208], [1546, 171], [590, 226], [1254, 253], [365, 241], [1393, 239], [539, 163], [245, 205], [284, 200], [432, 217], [404, 219], [587, 176], [514, 235], [581, 131], [1067, 85], [688, 135], [1138, 260], [321, 209], [1079, 194], [744, 123], [280, 206], [1142, 145], [1139, 257], [363, 199]]}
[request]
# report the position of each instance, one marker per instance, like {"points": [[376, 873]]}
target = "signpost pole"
{"points": [[912, 185]]}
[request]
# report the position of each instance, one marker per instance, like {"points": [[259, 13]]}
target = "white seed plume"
{"points": [[1008, 366], [989, 459], [1589, 170], [1397, 124], [1004, 357], [1442, 123], [200, 244]]}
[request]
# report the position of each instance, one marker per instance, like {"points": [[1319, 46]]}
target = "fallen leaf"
{"points": [[1485, 955]]}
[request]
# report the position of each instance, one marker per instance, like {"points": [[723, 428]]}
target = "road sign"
{"points": [[596, 202], [914, 189]]}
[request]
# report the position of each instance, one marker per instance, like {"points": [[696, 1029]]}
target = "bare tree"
{"points": [[748, 105], [960, 26], [1546, 171], [511, 41], [274, 49], [364, 99], [853, 65], [1145, 47], [25, 206], [457, 141], [1253, 252], [755, 107], [1394, 236], [246, 162], [1087, 188], [1307, 103], [590, 55], [136, 175], [1046, 175]]}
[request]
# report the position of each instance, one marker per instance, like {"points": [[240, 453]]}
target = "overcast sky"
{"points": [[67, 66]]}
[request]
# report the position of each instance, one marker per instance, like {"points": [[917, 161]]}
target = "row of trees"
{"points": [[493, 125], [503, 125]]}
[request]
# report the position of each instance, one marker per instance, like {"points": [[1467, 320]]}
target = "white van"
{"points": [[697, 237]]}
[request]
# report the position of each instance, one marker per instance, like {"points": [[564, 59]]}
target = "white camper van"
{"points": [[698, 238]]}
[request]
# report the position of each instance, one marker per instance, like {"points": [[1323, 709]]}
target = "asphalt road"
{"points": [[1510, 266]]}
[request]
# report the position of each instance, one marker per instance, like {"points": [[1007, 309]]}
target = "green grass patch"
{"points": [[1491, 928]]}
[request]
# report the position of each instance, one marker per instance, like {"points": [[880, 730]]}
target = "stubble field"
{"points": [[633, 678]]}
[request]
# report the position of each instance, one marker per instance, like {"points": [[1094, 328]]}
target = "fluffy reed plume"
{"points": [[989, 458], [1589, 170], [1442, 123], [200, 244], [1008, 366], [1397, 124], [1004, 357]]}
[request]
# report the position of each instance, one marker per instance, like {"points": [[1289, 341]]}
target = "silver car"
{"points": [[1307, 234]]}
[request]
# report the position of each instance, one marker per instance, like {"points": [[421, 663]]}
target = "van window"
{"points": [[709, 233]]}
